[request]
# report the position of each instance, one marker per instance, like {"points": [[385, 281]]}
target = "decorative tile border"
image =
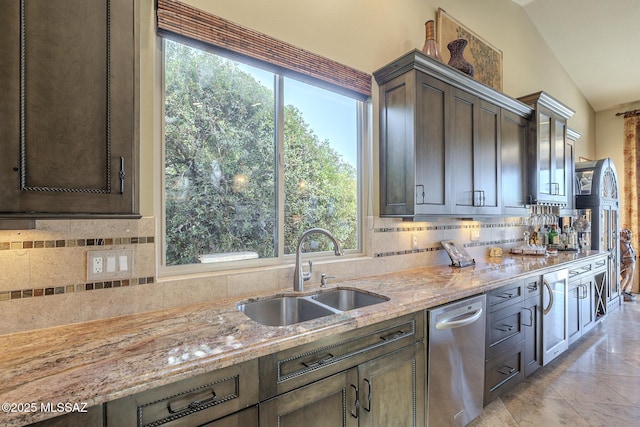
{"points": [[440, 248], [67, 289], [48, 244], [81, 287], [446, 227]]}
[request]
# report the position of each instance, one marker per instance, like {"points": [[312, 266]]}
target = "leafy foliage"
{"points": [[220, 165]]}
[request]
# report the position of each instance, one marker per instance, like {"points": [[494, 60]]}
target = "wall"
{"points": [[363, 34]]}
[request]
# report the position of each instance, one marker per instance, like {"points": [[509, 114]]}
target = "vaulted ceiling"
{"points": [[598, 44]]}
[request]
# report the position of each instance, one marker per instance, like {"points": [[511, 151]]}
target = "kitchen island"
{"points": [[96, 362]]}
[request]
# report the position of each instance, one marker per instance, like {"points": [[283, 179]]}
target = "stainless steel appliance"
{"points": [[455, 364], [555, 331]]}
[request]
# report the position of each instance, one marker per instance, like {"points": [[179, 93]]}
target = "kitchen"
{"points": [[362, 47]]}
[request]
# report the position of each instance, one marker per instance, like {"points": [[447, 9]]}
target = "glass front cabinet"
{"points": [[550, 168], [597, 191]]}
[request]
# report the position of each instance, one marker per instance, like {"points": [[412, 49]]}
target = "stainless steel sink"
{"points": [[286, 310], [348, 299], [283, 310]]}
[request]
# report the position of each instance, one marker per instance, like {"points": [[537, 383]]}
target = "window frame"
{"points": [[363, 108]]}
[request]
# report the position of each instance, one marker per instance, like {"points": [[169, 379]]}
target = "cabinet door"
{"points": [[587, 304], [486, 158], [330, 402], [432, 133], [573, 310], [392, 389], [475, 151], [532, 322], [562, 167], [462, 172], [68, 127], [513, 146], [397, 149]]}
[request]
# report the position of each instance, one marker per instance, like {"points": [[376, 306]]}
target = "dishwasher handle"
{"points": [[460, 320]]}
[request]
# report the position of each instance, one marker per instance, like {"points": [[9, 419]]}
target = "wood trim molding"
{"points": [[177, 18]]}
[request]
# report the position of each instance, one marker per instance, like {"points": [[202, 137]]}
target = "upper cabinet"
{"points": [[550, 154], [69, 115], [444, 138]]}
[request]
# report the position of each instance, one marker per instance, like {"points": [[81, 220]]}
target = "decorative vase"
{"points": [[430, 46], [457, 61]]}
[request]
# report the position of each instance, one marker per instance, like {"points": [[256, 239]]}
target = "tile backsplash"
{"points": [[43, 281]]}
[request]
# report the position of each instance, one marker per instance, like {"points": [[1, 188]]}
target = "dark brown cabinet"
{"points": [[532, 325], [550, 153], [226, 397], [382, 392], [582, 311], [69, 116], [373, 376], [475, 154], [514, 131], [440, 141]]}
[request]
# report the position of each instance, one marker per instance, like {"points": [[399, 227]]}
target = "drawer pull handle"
{"points": [[505, 295], [319, 362], [192, 401], [506, 370], [393, 336], [532, 286], [505, 328]]}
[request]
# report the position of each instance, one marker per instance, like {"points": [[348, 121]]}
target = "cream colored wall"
{"points": [[363, 34], [610, 139]]}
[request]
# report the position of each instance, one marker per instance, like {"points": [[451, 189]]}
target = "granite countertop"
{"points": [[98, 361]]}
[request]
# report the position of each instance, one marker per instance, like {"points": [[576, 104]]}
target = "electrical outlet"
{"points": [[414, 241], [97, 265], [475, 235]]}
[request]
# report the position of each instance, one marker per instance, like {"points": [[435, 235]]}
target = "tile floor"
{"points": [[595, 383]]}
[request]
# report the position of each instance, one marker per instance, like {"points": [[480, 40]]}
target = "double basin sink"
{"points": [[283, 310]]}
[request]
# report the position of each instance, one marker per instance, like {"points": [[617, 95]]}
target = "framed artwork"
{"points": [[486, 59], [459, 256]]}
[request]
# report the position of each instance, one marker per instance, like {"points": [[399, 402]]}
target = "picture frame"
{"points": [[485, 58], [457, 253]]}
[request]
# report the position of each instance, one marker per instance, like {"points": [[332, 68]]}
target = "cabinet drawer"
{"points": [[532, 286], [579, 270], [503, 372], [504, 296], [504, 329], [289, 369], [599, 264], [190, 402]]}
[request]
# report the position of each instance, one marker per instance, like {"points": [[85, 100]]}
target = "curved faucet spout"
{"points": [[300, 276]]}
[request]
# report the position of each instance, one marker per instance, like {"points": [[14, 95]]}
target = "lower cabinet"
{"points": [[513, 335], [387, 391], [583, 296], [532, 326], [207, 399], [503, 372]]}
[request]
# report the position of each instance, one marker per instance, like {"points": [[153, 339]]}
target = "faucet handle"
{"points": [[323, 279], [306, 275]]}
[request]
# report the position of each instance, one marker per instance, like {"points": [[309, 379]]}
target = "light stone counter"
{"points": [[98, 361]]}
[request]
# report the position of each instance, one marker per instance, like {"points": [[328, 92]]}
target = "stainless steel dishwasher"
{"points": [[455, 365]]}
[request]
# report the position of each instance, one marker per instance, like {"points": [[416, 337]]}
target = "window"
{"points": [[252, 159]]}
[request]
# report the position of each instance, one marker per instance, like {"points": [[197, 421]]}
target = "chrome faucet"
{"points": [[301, 276]]}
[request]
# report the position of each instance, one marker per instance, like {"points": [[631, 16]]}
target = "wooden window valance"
{"points": [[174, 17]]}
